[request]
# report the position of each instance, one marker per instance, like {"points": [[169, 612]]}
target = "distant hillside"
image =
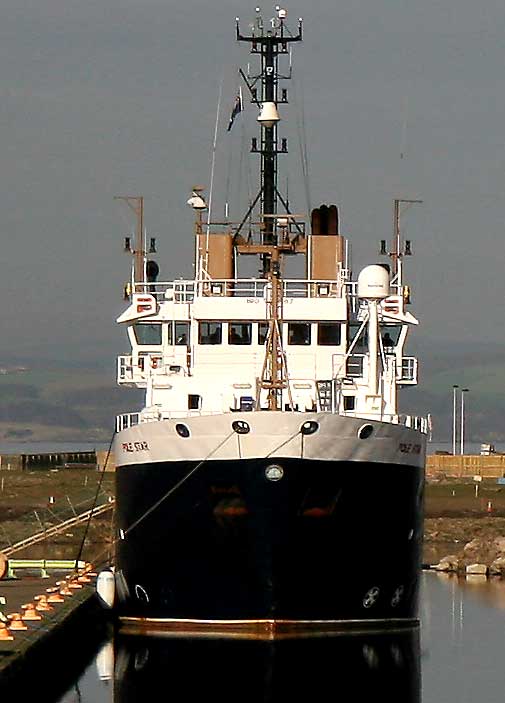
{"points": [[478, 367], [58, 401]]}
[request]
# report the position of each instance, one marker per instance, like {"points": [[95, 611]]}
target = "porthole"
{"points": [[240, 427], [365, 431], [309, 427], [274, 472], [182, 430]]}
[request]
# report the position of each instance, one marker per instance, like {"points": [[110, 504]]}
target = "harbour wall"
{"points": [[465, 466], [57, 460]]}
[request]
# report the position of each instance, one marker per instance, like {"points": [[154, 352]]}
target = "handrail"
{"points": [[56, 529], [183, 291]]}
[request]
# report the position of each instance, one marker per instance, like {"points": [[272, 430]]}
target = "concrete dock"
{"points": [[49, 654]]}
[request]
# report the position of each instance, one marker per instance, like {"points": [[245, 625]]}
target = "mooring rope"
{"points": [[99, 486], [156, 505], [176, 486]]}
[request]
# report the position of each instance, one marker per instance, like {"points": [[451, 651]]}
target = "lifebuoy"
{"points": [[3, 565], [154, 362]]}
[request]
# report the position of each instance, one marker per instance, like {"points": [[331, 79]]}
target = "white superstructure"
{"points": [[198, 348]]}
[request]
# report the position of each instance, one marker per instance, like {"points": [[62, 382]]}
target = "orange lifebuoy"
{"points": [[154, 362]]}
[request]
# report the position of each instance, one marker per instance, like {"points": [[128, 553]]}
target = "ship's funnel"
{"points": [[268, 115]]}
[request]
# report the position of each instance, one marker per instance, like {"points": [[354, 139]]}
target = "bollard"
{"points": [[16, 622], [30, 613], [42, 604], [5, 633], [54, 596]]}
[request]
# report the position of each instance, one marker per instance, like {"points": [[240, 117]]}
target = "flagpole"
{"points": [[211, 189]]}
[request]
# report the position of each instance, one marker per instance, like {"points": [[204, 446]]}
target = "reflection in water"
{"points": [[369, 667], [462, 644]]}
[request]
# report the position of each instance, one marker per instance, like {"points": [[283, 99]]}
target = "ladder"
{"points": [[325, 396]]}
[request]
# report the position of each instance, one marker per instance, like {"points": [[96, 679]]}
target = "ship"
{"points": [[269, 484]]}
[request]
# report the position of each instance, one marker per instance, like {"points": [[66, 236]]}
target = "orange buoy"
{"points": [[16, 622], [66, 591], [3, 565], [29, 612], [42, 604], [5, 633], [54, 596]]}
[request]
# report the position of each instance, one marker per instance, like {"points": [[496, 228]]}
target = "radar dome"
{"points": [[373, 283]]}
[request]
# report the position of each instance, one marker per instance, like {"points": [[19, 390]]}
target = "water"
{"points": [[457, 657]]}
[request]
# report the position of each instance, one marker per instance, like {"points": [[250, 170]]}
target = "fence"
{"points": [[467, 465]]}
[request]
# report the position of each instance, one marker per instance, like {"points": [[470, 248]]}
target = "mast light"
{"points": [[197, 202], [268, 115]]}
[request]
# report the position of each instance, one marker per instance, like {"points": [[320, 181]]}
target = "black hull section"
{"points": [[329, 541]]}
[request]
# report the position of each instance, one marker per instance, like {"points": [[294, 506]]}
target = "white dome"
{"points": [[373, 283]]}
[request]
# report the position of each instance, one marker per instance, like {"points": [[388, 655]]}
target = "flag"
{"points": [[237, 108]]}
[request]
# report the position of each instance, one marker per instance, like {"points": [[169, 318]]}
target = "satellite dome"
{"points": [[373, 283]]}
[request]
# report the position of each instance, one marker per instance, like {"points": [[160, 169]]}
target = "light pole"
{"points": [[454, 393], [463, 391]]}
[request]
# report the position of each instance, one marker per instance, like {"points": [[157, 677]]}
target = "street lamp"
{"points": [[462, 437], [454, 393]]}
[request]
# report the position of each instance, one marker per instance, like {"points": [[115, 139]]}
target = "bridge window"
{"points": [[148, 334], [349, 402], [239, 332], [181, 333], [299, 333], [361, 345], [210, 332], [390, 335], [262, 332], [194, 401], [328, 334]]}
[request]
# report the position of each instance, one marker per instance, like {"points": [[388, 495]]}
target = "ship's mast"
{"points": [[398, 251], [269, 43], [136, 203]]}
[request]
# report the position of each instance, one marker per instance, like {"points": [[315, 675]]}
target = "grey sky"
{"points": [[119, 97]]}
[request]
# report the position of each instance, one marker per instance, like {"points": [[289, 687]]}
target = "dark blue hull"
{"points": [[329, 541]]}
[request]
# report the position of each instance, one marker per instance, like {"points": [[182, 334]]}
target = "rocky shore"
{"points": [[465, 545], [464, 527]]}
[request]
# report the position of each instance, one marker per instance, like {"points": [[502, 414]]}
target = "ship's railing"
{"points": [[413, 422], [126, 420], [186, 291]]}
